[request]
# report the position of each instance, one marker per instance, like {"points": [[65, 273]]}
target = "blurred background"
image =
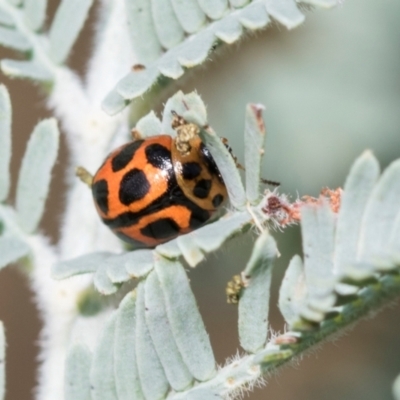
{"points": [[331, 89]]}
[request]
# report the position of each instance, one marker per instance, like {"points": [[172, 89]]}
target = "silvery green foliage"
{"points": [[22, 30], [77, 380], [172, 36], [33, 183], [167, 36], [5, 142], [396, 388], [35, 173], [343, 253], [155, 345]]}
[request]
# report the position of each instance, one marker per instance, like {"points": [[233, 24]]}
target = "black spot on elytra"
{"points": [[217, 200], [122, 159], [134, 186], [191, 170], [158, 156], [198, 217], [173, 196], [202, 188], [100, 194], [161, 229]]}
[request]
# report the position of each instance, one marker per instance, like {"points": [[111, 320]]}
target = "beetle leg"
{"points": [[84, 175]]}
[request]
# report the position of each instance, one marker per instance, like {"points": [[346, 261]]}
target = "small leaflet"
{"points": [[102, 377], [64, 30], [126, 371], [184, 318], [77, 373], [35, 174], [5, 142], [254, 299]]}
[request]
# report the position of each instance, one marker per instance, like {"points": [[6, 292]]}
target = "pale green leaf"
{"points": [[80, 265], [102, 281], [15, 2], [6, 19], [125, 364], [102, 377], [13, 40], [189, 14], [228, 29], [113, 103], [132, 265], [170, 33], [285, 11], [5, 142], [181, 51], [176, 104], [202, 394], [189, 249], [77, 373], [139, 263], [185, 320], [394, 243], [35, 174], [293, 291], [137, 82], [211, 237], [35, 13], [254, 299], [254, 16], [322, 3], [152, 377], [11, 250], [169, 249], [207, 238], [214, 9], [115, 268], [65, 28], [238, 3], [194, 109], [227, 167], [144, 38], [189, 106], [149, 125], [379, 218], [2, 362], [157, 321], [169, 66], [195, 49], [26, 69], [396, 388], [318, 229], [357, 189], [254, 139]]}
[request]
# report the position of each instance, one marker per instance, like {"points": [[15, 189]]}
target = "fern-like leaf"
{"points": [[33, 184], [47, 50], [171, 36], [5, 142], [163, 310]]}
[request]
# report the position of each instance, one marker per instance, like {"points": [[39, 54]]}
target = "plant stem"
{"points": [[248, 370]]}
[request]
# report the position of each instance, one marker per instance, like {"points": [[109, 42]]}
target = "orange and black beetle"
{"points": [[148, 192]]}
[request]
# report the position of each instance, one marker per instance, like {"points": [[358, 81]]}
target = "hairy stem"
{"points": [[248, 370], [89, 134]]}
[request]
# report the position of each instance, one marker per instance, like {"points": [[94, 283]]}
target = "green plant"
{"points": [[152, 342]]}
